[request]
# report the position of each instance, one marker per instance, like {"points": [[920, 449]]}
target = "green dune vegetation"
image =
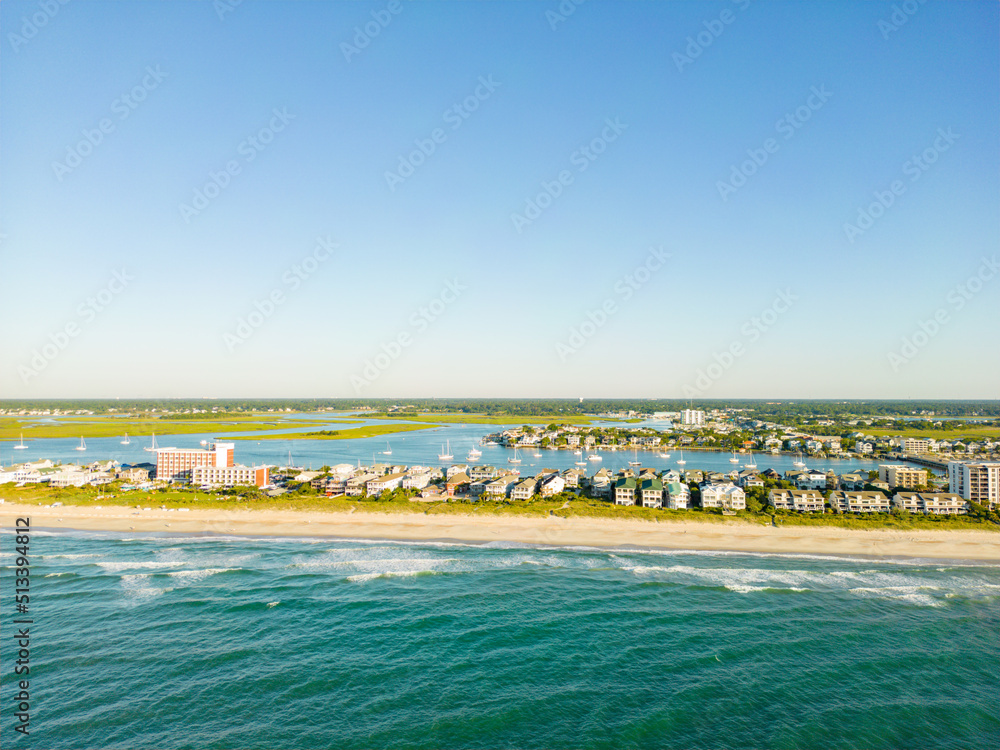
{"points": [[563, 505]]}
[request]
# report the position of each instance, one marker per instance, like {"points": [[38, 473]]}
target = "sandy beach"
{"points": [[731, 536]]}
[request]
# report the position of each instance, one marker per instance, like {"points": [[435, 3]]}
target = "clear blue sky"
{"points": [[686, 112]]}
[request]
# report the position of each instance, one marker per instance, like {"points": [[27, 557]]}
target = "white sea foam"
{"points": [[137, 590], [272, 604], [69, 557], [115, 567], [361, 577], [193, 576]]}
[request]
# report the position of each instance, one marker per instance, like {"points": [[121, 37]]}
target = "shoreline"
{"points": [[735, 536]]}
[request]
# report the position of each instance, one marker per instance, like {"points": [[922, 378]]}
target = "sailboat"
{"points": [[388, 449], [536, 454], [126, 441], [20, 446], [515, 459], [82, 446], [577, 452], [445, 454], [681, 461], [751, 464], [734, 459], [636, 462], [152, 448], [581, 463], [595, 456], [798, 461], [474, 453]]}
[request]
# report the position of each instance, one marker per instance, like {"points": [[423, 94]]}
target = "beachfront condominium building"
{"points": [[855, 501], [176, 464], [939, 503], [803, 501], [692, 416], [978, 482], [914, 445], [897, 475], [229, 476]]}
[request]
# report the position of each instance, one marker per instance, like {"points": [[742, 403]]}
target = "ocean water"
{"points": [[151, 641]]}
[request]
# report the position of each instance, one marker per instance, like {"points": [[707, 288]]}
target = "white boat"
{"points": [[595, 457], [681, 461], [126, 441], [664, 455], [735, 459], [751, 464], [152, 448], [581, 463], [82, 446], [577, 452], [388, 449], [474, 453], [515, 459], [536, 454], [798, 461], [636, 462], [775, 451], [445, 454], [20, 446]]}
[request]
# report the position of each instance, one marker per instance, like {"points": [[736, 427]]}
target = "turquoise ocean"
{"points": [[169, 641]]}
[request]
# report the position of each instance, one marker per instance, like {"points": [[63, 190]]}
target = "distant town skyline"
{"points": [[394, 200]]}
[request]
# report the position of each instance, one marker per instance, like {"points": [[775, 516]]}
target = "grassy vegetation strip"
{"points": [[970, 433], [12, 429], [510, 421], [372, 430]]}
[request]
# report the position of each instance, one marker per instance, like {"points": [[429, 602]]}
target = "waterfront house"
{"points": [[574, 477], [853, 481], [523, 490], [652, 492], [625, 490], [385, 483], [416, 480], [457, 483], [678, 496], [553, 485], [457, 469], [600, 483], [356, 485], [726, 495], [501, 486], [483, 472]]}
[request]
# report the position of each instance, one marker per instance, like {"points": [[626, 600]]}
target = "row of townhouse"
{"points": [[650, 491], [853, 501], [803, 501], [72, 475]]}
